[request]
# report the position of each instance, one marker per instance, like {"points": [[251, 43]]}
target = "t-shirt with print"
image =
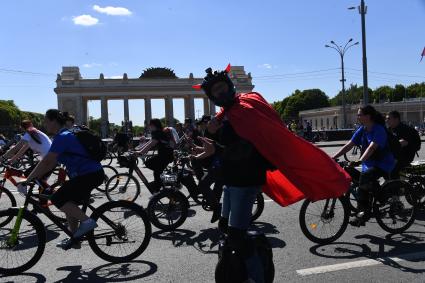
{"points": [[73, 155], [378, 135], [41, 148]]}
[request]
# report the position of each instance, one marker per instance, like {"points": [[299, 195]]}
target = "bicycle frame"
{"points": [[30, 199]]}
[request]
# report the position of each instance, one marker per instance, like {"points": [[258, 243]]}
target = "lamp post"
{"points": [[341, 51], [362, 11]]}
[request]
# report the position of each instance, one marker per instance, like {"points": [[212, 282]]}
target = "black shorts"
{"points": [[77, 189]]}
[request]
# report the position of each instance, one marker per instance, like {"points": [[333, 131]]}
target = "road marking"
{"points": [[359, 263], [268, 200]]}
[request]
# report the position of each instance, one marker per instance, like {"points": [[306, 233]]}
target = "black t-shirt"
{"points": [[163, 144], [412, 137], [241, 163]]}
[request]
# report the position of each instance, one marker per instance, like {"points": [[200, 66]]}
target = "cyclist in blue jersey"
{"points": [[84, 172], [376, 158]]}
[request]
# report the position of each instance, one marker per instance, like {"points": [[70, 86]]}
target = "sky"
{"points": [[281, 42]]}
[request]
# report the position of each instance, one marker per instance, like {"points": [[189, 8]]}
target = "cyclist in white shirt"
{"points": [[33, 139]]}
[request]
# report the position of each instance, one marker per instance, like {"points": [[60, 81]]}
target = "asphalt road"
{"points": [[366, 254]]}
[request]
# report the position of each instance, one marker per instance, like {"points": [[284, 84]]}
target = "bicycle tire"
{"points": [[106, 178], [12, 200], [98, 212], [327, 240], [155, 202], [418, 186], [391, 187], [108, 159], [38, 227], [113, 187], [259, 208]]}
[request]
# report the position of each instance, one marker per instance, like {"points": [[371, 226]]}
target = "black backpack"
{"points": [[231, 265], [92, 143]]}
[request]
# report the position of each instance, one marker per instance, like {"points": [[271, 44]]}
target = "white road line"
{"points": [[360, 263], [268, 200]]}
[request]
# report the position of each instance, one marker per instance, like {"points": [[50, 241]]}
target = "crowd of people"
{"points": [[227, 150]]}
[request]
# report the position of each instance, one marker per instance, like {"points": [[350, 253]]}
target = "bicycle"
{"points": [[25, 238], [317, 218]]}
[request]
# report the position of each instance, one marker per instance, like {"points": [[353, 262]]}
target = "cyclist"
{"points": [[85, 174], [376, 158], [33, 139], [157, 163], [409, 140]]}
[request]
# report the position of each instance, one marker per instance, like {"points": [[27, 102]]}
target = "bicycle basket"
{"points": [[127, 161]]}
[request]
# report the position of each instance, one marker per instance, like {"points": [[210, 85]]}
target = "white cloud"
{"points": [[112, 11], [85, 20], [265, 66], [91, 65]]}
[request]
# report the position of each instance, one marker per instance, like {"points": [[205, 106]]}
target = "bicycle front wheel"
{"points": [[123, 231], [109, 172], [23, 253], [168, 209], [122, 186], [324, 221]]}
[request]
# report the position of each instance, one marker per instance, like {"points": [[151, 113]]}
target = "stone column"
{"points": [[206, 106], [85, 119], [192, 108], [169, 115], [104, 116], [126, 110], [148, 110], [212, 108]]}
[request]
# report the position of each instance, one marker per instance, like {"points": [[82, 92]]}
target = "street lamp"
{"points": [[341, 51], [362, 11]]}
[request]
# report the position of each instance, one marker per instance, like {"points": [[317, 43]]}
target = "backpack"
{"points": [[231, 265], [92, 143]]}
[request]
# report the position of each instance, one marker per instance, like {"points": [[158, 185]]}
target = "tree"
{"points": [[399, 92], [383, 93], [304, 100]]}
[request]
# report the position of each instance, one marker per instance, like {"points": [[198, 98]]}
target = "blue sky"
{"points": [[275, 40]]}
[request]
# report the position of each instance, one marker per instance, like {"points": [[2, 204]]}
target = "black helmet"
{"points": [[225, 99]]}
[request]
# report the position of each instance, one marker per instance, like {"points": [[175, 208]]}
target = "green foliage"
{"points": [[300, 100]]}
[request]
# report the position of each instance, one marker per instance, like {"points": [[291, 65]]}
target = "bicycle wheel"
{"points": [[122, 186], [258, 207], [324, 221], [109, 172], [7, 200], [108, 159], [168, 209], [393, 212], [123, 231], [27, 250], [418, 188]]}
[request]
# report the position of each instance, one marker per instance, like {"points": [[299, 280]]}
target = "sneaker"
{"points": [[68, 243], [85, 227]]}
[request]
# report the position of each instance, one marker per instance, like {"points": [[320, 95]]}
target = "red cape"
{"points": [[304, 170]]}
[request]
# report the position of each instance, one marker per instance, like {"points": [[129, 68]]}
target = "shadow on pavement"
{"points": [[206, 241], [112, 272], [402, 246], [24, 277]]}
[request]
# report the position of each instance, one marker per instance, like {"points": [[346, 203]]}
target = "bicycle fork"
{"points": [[14, 237]]}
